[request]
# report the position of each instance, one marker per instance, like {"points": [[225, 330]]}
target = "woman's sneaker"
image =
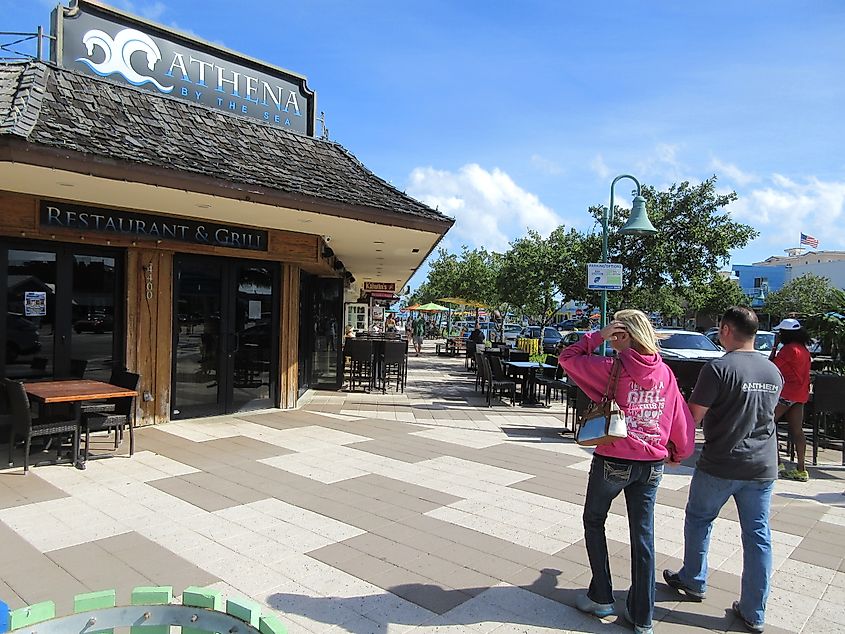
{"points": [[751, 627], [673, 580], [586, 604], [798, 476]]}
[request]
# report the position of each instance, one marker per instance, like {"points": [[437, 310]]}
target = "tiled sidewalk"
{"points": [[368, 513]]}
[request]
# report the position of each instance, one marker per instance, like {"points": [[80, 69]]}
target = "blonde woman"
{"points": [[660, 429]]}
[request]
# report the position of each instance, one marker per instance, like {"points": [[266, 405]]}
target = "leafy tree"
{"points": [[527, 277], [715, 296], [805, 295], [695, 236]]}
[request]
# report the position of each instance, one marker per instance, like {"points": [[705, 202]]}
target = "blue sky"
{"points": [[509, 115]]}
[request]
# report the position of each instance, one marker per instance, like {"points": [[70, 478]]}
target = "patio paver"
{"points": [[424, 511]]}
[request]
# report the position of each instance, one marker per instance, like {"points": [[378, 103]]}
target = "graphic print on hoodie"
{"points": [[655, 412]]}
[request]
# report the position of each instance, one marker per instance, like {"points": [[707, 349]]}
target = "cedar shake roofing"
{"points": [[64, 110]]}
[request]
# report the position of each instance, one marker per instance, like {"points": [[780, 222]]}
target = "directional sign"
{"points": [[604, 277]]}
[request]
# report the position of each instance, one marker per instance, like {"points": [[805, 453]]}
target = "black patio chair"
{"points": [[828, 403], [361, 367], [496, 379], [22, 426], [518, 355], [480, 377], [121, 416], [77, 368], [469, 356], [393, 364]]}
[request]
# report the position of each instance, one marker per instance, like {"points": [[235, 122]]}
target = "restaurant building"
{"points": [[165, 205]]}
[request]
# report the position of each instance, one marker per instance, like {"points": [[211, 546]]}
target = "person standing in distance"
{"points": [[793, 361], [734, 399], [419, 333]]}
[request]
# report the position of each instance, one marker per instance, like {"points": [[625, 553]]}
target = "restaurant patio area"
{"points": [[422, 511]]}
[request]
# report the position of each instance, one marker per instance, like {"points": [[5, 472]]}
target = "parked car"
{"points": [[21, 337], [94, 322], [686, 344], [550, 335], [511, 333], [573, 336], [764, 340]]}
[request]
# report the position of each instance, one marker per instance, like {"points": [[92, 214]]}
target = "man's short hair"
{"points": [[742, 320]]}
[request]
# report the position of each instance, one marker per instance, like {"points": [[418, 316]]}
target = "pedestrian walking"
{"points": [[660, 428], [419, 332], [734, 399], [793, 361]]}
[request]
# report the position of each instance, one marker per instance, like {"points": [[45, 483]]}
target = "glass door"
{"points": [[225, 331], [64, 313], [196, 338]]}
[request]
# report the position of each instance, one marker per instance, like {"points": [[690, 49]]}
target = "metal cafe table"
{"points": [[74, 392], [528, 369]]}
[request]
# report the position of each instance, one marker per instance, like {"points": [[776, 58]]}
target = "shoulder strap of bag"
{"points": [[613, 381]]}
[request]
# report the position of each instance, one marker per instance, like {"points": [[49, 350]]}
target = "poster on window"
{"points": [[35, 304]]}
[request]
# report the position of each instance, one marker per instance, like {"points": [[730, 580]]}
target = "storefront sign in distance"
{"points": [[385, 287], [148, 227]]}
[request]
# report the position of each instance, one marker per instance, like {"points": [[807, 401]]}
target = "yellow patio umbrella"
{"points": [[462, 302], [431, 307]]}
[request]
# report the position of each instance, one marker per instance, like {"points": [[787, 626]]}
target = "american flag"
{"points": [[810, 241]]}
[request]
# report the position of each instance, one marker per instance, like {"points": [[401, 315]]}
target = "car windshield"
{"points": [[551, 333], [512, 327], [764, 341], [683, 341]]}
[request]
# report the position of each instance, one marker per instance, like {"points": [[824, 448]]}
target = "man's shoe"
{"points": [[674, 581], [751, 627], [586, 604], [798, 476], [637, 628]]}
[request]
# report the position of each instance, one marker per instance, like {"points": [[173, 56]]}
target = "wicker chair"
{"points": [[120, 416], [22, 425]]}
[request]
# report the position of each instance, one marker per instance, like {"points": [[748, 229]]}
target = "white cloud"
{"points": [[784, 208], [488, 206], [733, 173], [546, 165], [600, 167]]}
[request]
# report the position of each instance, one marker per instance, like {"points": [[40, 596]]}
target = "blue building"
{"points": [[758, 280]]}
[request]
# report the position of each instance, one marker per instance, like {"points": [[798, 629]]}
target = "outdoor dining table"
{"points": [[74, 392], [528, 371]]}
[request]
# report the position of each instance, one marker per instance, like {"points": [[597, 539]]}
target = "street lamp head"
{"points": [[638, 223]]}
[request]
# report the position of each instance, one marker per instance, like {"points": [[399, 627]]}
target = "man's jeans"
{"points": [[707, 495], [639, 480]]}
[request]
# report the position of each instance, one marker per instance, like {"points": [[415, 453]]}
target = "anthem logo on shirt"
{"points": [[756, 386]]}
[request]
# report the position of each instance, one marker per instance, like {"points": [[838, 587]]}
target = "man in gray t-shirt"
{"points": [[740, 392], [734, 399]]}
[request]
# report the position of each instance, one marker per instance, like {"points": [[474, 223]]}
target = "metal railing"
{"points": [[13, 43]]}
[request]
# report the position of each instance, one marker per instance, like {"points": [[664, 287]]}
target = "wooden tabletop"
{"points": [[75, 390]]}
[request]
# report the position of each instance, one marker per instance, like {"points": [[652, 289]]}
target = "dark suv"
{"points": [[549, 334]]}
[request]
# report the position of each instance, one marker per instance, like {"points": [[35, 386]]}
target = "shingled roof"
{"points": [[64, 110]]}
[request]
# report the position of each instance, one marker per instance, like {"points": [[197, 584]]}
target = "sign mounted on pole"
{"points": [[604, 277]]}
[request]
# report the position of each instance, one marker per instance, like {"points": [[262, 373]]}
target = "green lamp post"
{"points": [[638, 225]]}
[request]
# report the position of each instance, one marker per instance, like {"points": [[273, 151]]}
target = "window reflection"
{"points": [[30, 324], [93, 312]]}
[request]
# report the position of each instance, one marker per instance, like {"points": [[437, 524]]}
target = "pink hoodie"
{"points": [[647, 392]]}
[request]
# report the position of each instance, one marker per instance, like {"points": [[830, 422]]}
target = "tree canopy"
{"points": [[671, 271], [805, 295]]}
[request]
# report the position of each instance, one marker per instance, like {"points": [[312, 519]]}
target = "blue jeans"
{"points": [[707, 495], [639, 480]]}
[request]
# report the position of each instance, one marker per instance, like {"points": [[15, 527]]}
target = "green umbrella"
{"points": [[431, 307]]}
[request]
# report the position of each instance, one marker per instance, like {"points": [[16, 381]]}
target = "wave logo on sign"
{"points": [[118, 55]]}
